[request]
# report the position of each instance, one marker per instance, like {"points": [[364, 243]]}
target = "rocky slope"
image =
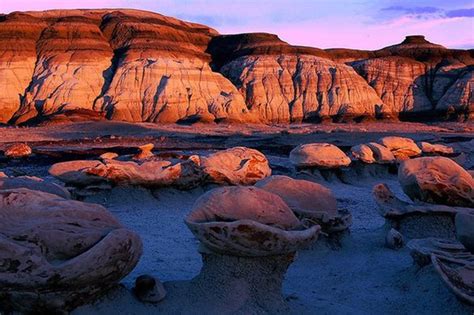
{"points": [[73, 65], [282, 83], [124, 65]]}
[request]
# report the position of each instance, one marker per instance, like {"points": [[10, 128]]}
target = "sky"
{"points": [[361, 24]]}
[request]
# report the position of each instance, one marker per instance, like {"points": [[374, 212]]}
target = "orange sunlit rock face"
{"points": [[73, 65]]}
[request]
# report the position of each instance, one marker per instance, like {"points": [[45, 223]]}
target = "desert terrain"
{"points": [[154, 165], [355, 275]]}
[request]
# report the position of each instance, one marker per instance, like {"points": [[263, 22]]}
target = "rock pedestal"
{"points": [[236, 285]]}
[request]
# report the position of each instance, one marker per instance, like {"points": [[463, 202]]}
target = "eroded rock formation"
{"points": [[437, 180], [58, 253], [73, 65]]}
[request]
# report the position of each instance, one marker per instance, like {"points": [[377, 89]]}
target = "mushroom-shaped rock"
{"points": [[363, 153], [145, 152], [248, 240], [108, 156], [465, 229], [436, 149], [402, 148], [437, 180], [236, 166], [248, 221], [309, 201], [318, 155], [33, 183], [17, 151], [458, 275], [59, 253], [381, 153], [418, 220]]}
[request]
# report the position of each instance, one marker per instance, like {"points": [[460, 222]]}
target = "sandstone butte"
{"points": [[137, 66]]}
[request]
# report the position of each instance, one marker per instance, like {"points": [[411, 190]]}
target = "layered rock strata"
{"points": [[72, 65]]}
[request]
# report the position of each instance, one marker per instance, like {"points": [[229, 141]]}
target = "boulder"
{"points": [[249, 222], [309, 201], [402, 148], [437, 180], [183, 174], [236, 166], [33, 183], [318, 155], [72, 173], [363, 153], [58, 254], [436, 149], [382, 154], [18, 151]]}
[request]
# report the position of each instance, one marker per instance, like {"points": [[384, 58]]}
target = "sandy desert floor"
{"points": [[359, 277]]}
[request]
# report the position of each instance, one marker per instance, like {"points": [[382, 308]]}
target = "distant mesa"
{"points": [[64, 66], [417, 40]]}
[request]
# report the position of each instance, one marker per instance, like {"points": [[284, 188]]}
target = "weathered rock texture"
{"points": [[124, 65], [437, 180], [236, 166], [419, 79], [137, 66], [311, 202], [294, 88], [18, 36], [318, 155], [416, 220], [248, 222], [59, 253]]}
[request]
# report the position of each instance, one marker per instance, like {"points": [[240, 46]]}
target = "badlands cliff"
{"points": [[140, 66]]}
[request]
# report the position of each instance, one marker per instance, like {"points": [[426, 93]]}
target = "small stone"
{"points": [[145, 152], [382, 154], [394, 240], [18, 151], [149, 289], [109, 156], [437, 149], [363, 153]]}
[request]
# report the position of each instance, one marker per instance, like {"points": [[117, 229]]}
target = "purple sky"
{"points": [[364, 24]]}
